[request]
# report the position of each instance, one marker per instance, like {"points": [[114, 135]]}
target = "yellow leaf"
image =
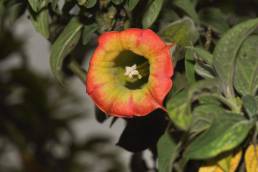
{"points": [[228, 164], [211, 168], [251, 158], [235, 161], [224, 164]]}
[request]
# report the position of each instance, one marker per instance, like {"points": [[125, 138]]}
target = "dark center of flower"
{"points": [[135, 69]]}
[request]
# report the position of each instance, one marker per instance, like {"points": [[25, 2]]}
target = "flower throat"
{"points": [[135, 69]]}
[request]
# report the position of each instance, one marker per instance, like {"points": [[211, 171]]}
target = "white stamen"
{"points": [[132, 71]]}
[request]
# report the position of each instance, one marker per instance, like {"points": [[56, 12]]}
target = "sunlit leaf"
{"points": [[234, 163], [177, 107], [227, 164], [210, 168], [251, 158], [227, 131]]}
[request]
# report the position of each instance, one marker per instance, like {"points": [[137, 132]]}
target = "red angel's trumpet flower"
{"points": [[130, 73]]}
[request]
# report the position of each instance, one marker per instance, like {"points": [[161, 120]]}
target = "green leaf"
{"points": [[90, 3], [203, 115], [227, 131], [250, 105], [189, 67], [41, 22], [151, 13], [246, 73], [215, 18], [226, 51], [167, 151], [100, 116], [204, 71], [209, 99], [183, 32], [178, 111], [81, 2], [202, 55], [63, 45], [131, 4], [88, 31], [54, 6], [200, 87], [188, 6], [11, 11], [37, 5], [179, 83], [117, 2], [2, 8], [34, 4], [167, 16], [256, 99]]}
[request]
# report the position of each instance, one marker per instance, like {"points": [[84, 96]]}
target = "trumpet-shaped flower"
{"points": [[129, 73]]}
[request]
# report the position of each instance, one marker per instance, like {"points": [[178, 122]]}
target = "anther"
{"points": [[132, 71]]}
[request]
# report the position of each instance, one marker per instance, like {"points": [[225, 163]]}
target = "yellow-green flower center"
{"points": [[133, 69]]}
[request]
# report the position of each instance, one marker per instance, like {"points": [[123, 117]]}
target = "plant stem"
{"points": [[77, 70], [227, 102], [222, 99]]}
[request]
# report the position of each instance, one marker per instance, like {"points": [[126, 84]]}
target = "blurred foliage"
{"points": [[37, 115], [211, 110]]}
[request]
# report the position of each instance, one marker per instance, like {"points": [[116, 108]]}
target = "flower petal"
{"points": [[110, 41], [161, 63], [159, 87], [150, 43], [129, 39], [143, 102], [104, 96], [106, 83], [96, 78], [133, 103]]}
